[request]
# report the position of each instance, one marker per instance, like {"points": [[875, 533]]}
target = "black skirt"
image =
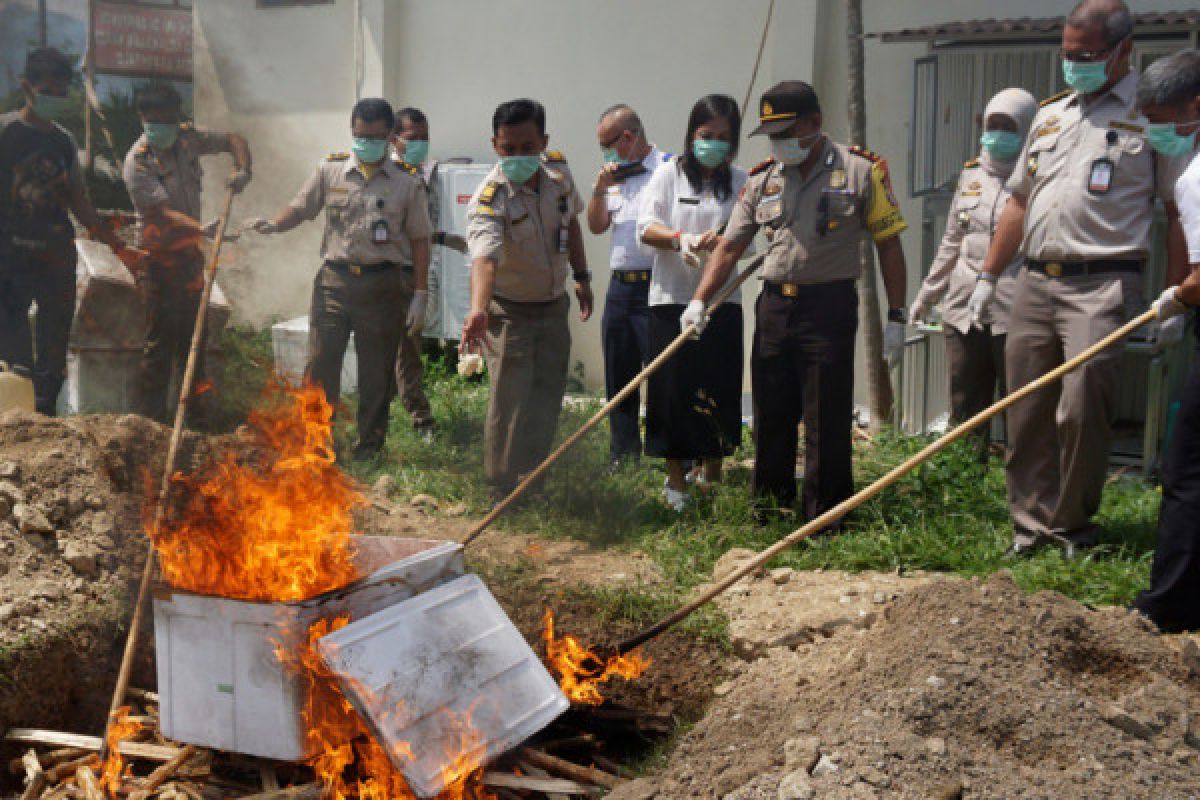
{"points": [[694, 401]]}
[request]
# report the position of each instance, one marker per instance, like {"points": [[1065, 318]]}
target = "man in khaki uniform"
{"points": [[1082, 205], [164, 178], [817, 199], [524, 236], [376, 258]]}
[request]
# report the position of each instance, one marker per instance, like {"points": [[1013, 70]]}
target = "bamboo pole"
{"points": [[618, 398], [164, 487], [846, 506]]}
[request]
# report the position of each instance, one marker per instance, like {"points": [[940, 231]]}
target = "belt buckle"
{"points": [[355, 270], [789, 289], [1054, 269]]}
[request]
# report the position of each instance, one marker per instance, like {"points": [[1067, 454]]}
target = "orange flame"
{"points": [[275, 530], [350, 762], [203, 387], [580, 671], [114, 766]]}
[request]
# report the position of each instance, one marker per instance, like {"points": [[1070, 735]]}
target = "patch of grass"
{"points": [[248, 362]]}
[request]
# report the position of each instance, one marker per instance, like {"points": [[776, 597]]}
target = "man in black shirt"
{"points": [[40, 181]]}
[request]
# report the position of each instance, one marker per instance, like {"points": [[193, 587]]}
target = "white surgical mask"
{"points": [[789, 151]]}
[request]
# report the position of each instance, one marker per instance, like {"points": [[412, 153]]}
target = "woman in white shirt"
{"points": [[693, 404]]}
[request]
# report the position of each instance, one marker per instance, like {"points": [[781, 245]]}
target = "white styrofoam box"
{"points": [[421, 671], [219, 682], [103, 380], [455, 185], [289, 343]]}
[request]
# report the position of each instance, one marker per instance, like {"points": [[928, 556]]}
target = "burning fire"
{"points": [[274, 530], [114, 766], [350, 763], [580, 671]]}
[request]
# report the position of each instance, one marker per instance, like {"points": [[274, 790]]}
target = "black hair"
{"points": [[374, 109], [1170, 81], [515, 112], [157, 97], [1111, 16], [708, 108], [47, 63], [409, 114]]}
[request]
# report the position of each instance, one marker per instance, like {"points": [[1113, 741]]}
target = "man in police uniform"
{"points": [[816, 199], [524, 235], [376, 258], [1081, 210], [629, 161], [163, 175]]}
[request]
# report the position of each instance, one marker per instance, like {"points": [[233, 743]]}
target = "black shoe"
{"points": [[427, 431], [366, 452]]}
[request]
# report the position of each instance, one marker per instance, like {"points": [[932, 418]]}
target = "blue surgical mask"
{"points": [[610, 155], [1004, 145], [789, 151], [48, 106], [161, 135], [711, 152], [369, 151], [519, 169], [1085, 77], [1166, 139], [416, 151]]}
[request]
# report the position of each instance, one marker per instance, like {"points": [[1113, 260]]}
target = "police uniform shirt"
{"points": [[671, 201], [622, 201], [172, 177], [814, 224], [519, 227], [1089, 177], [354, 204], [1187, 196], [978, 202]]}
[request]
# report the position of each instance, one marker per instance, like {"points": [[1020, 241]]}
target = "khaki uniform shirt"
{"points": [[521, 229], [171, 177], [978, 202], [353, 204], [1075, 213], [814, 224]]}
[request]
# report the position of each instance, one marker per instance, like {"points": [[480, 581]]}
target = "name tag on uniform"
{"points": [[690, 201], [1101, 176], [770, 206]]}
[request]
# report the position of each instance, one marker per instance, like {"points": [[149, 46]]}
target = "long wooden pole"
{"points": [[164, 486], [846, 506], [618, 398]]}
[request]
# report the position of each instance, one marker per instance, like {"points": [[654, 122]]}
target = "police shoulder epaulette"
{"points": [[1054, 98], [762, 166], [555, 157], [974, 162], [337, 157], [187, 126], [488, 195], [859, 150], [403, 165]]}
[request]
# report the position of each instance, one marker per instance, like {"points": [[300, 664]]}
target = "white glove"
{"points": [[1170, 333], [416, 313], [919, 310], [981, 298], [260, 225], [689, 249], [694, 315], [893, 343], [1167, 305]]}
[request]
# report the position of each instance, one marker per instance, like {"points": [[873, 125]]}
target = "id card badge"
{"points": [[1101, 177], [769, 208]]}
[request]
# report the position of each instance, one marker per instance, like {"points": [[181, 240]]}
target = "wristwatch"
{"points": [[897, 315], [583, 277]]}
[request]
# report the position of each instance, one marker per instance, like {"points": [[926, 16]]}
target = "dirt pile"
{"points": [[957, 689]]}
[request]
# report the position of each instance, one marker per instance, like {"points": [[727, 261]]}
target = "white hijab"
{"points": [[1019, 106]]}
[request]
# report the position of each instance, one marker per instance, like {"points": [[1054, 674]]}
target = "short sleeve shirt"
{"points": [[173, 177], [1187, 196], [1090, 177], [38, 171], [524, 230], [814, 224], [354, 204], [623, 201]]}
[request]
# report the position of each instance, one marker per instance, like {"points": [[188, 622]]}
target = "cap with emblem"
{"points": [[783, 104]]}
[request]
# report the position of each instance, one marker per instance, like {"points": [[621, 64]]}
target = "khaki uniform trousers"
{"points": [[528, 352], [976, 363], [171, 295], [410, 376], [1059, 438]]}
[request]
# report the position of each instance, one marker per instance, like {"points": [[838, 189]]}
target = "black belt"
{"points": [[363, 269], [632, 275], [1073, 269], [785, 289]]}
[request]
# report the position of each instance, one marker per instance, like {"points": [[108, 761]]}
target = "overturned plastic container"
{"points": [[220, 683]]}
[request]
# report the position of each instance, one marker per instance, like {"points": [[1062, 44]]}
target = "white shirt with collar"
{"points": [[623, 202]]}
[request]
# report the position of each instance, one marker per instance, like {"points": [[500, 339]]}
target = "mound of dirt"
{"points": [[957, 689]]}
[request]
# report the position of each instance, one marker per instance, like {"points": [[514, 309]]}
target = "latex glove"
{"points": [[1167, 305], [893, 343], [919, 310], [1170, 333], [454, 242], [238, 181], [415, 322], [981, 298], [689, 249], [693, 315], [260, 225]]}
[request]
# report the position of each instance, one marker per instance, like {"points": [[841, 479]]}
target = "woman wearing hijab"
{"points": [[975, 355], [693, 402]]}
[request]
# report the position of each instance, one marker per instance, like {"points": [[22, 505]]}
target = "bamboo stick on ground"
{"points": [[558, 766], [61, 771], [35, 777], [163, 773], [88, 784], [47, 760]]}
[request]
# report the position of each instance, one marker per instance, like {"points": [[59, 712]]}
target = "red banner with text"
{"points": [[142, 41]]}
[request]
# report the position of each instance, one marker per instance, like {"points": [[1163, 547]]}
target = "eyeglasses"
{"points": [[613, 141], [1089, 56]]}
